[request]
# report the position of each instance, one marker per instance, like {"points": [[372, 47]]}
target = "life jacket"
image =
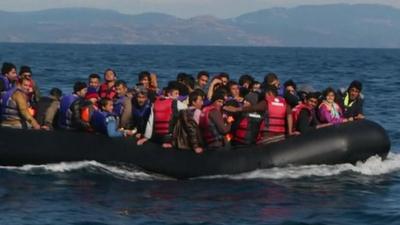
{"points": [[64, 119], [247, 131], [296, 113], [87, 113], [275, 118], [9, 108], [99, 121], [163, 111], [106, 92], [7, 84], [141, 115], [119, 105], [209, 129]]}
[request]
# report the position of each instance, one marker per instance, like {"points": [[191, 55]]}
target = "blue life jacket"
{"points": [[9, 108], [141, 115], [119, 106], [99, 121], [65, 115], [7, 84]]}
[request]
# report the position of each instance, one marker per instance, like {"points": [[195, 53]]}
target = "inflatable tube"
{"points": [[345, 143]]}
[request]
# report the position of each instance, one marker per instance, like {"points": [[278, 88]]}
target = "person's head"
{"points": [[290, 87], [271, 90], [94, 80], [172, 89], [202, 79], [106, 105], [218, 99], [329, 95], [24, 84], [80, 88], [187, 80], [251, 99], [56, 93], [354, 89], [25, 71], [224, 77], [121, 88], [196, 99], [141, 96], [246, 80], [10, 71], [234, 89], [110, 75], [311, 99], [92, 95], [144, 78], [255, 87], [272, 79]]}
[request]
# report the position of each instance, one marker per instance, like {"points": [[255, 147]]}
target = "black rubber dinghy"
{"points": [[345, 143]]}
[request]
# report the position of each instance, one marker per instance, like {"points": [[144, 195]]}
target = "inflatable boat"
{"points": [[345, 143]]}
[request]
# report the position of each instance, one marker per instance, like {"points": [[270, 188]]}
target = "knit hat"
{"points": [[91, 93], [356, 84]]}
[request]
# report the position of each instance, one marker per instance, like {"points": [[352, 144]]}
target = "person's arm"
{"points": [[217, 119], [126, 116], [36, 92], [259, 107], [303, 123], [289, 119], [22, 105], [51, 113], [112, 128]]}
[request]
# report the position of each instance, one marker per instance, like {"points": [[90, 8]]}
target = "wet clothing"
{"points": [[47, 111], [350, 108]]}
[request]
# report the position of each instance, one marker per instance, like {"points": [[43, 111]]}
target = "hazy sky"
{"points": [[181, 8]]}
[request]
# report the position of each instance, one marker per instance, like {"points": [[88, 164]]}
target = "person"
{"points": [[290, 93], [105, 122], [188, 81], [246, 128], [141, 110], [65, 114], [34, 91], [212, 124], [164, 114], [8, 77], [202, 80], [271, 79], [304, 114], [234, 92], [329, 111], [123, 104], [186, 134], [86, 107], [15, 108], [94, 81], [255, 87], [149, 81], [224, 77], [215, 84], [47, 109], [351, 101], [245, 81], [107, 89]]}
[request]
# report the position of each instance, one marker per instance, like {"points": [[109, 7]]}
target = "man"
{"points": [[34, 92], [94, 81], [66, 111], [202, 80], [15, 109], [351, 101], [8, 77], [141, 110], [107, 89], [86, 108], [47, 109], [123, 104]]}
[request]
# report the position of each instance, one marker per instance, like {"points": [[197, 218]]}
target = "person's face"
{"points": [[224, 80], [109, 107], [330, 97], [291, 90], [235, 91], [93, 100], [354, 93], [82, 92], [12, 75], [174, 94], [94, 82], [121, 90], [203, 80], [256, 87], [276, 83], [26, 86], [313, 102], [141, 99], [219, 103], [198, 104], [109, 76], [27, 75], [145, 82]]}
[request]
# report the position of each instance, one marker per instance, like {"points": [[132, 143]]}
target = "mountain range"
{"points": [[334, 25]]}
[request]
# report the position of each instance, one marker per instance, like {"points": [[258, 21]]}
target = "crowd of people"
{"points": [[194, 113]]}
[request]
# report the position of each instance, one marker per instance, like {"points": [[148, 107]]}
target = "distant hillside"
{"points": [[338, 25]]}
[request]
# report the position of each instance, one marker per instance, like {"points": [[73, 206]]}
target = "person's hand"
{"points": [[215, 81], [138, 136], [199, 150], [36, 126], [141, 141], [359, 117], [44, 127], [230, 119], [294, 133]]}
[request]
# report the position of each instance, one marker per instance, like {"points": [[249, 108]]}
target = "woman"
{"points": [[329, 111]]}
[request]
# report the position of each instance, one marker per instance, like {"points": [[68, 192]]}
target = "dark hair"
{"points": [[315, 95], [109, 69], [246, 78], [200, 92], [55, 92], [7, 67], [223, 74], [144, 74], [78, 86], [173, 85], [327, 91], [24, 69], [194, 96], [203, 73], [271, 88], [121, 82], [186, 79], [356, 84], [290, 83], [180, 76], [103, 102], [94, 76], [269, 78], [22, 79], [218, 95]]}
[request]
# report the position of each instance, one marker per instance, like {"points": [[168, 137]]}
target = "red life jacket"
{"points": [[276, 118], [247, 132], [163, 114], [296, 113], [208, 128], [105, 92]]}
